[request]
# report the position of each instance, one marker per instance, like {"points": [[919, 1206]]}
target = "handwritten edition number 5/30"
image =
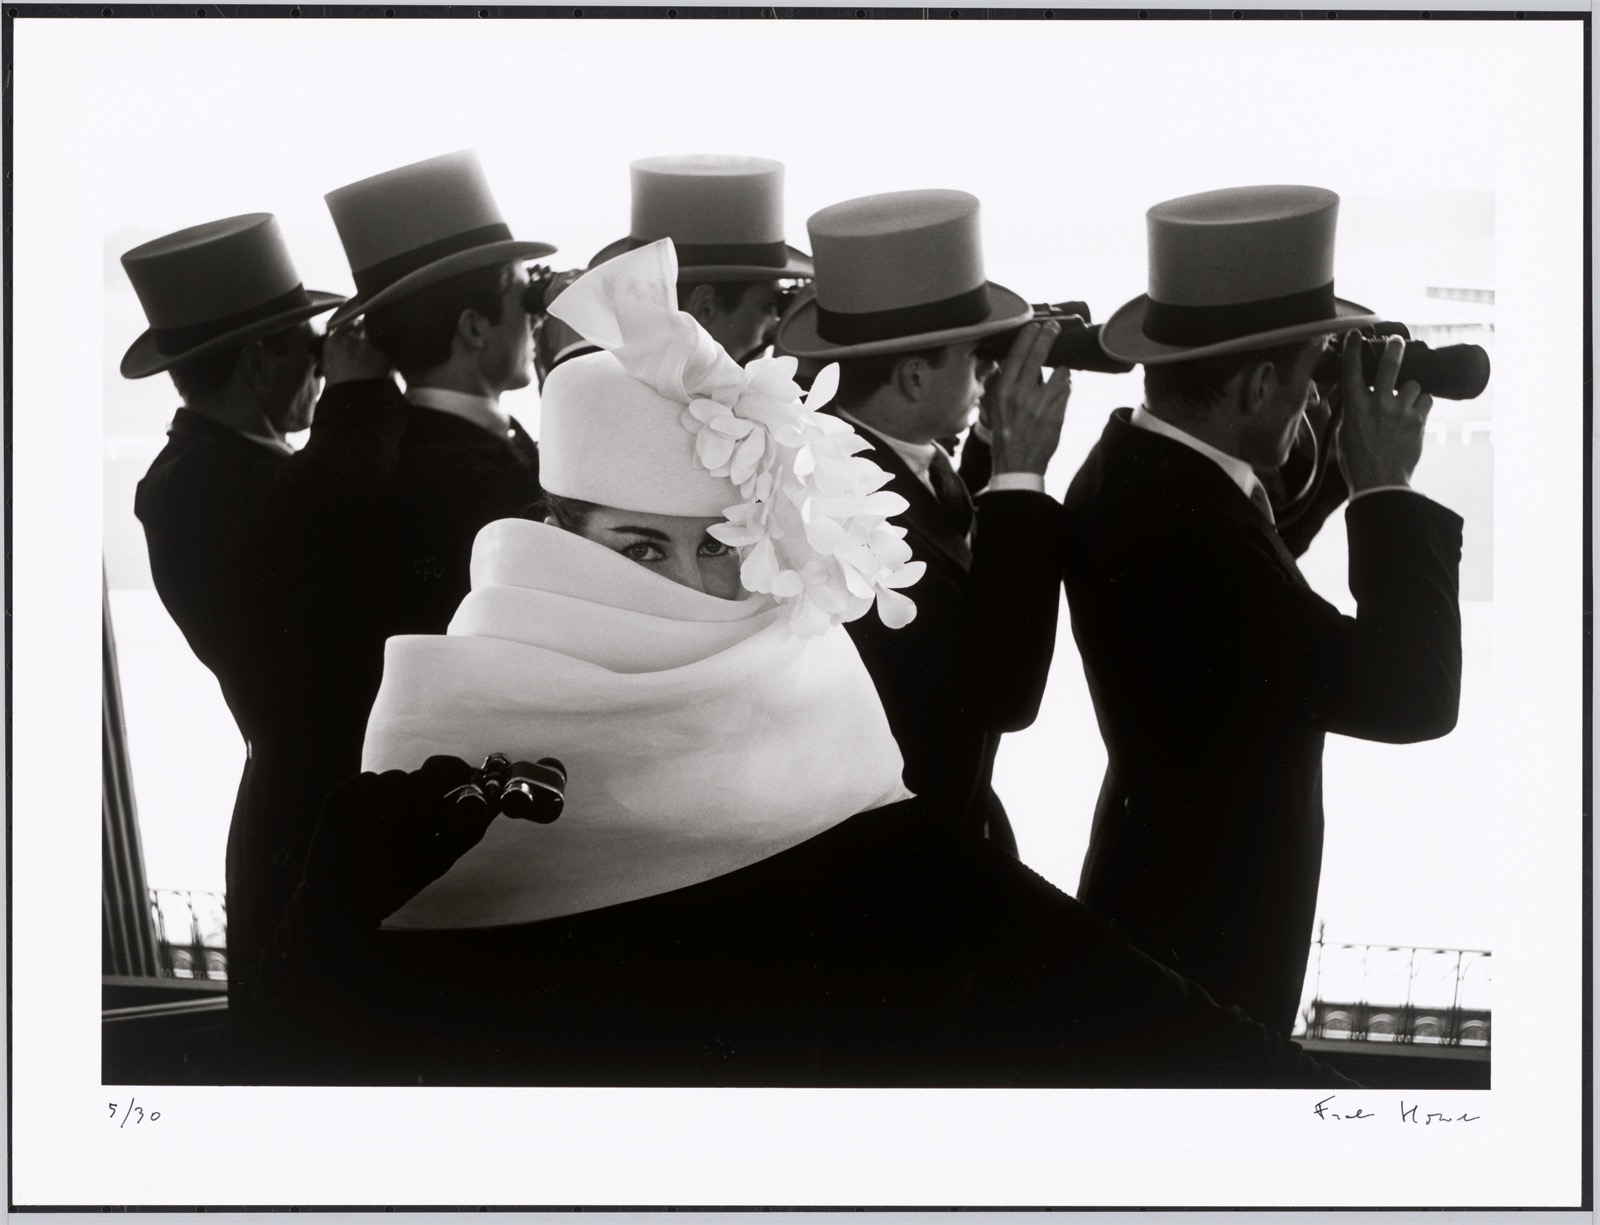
{"points": [[132, 1110]]}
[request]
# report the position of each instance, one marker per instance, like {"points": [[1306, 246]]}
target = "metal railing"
{"points": [[1399, 993], [191, 933]]}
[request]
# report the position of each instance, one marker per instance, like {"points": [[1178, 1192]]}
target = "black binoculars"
{"points": [[544, 283], [1452, 372], [789, 293], [1077, 347], [527, 791]]}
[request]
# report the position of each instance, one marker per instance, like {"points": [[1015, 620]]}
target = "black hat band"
{"points": [[864, 327], [1193, 326], [710, 254], [377, 277], [170, 341]]}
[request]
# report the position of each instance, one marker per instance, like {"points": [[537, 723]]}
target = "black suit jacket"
{"points": [[454, 478], [973, 663], [1216, 672], [267, 563]]}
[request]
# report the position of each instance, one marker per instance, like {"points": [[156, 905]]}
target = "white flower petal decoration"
{"points": [[895, 610], [823, 387]]}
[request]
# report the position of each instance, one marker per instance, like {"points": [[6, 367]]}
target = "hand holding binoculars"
{"points": [[526, 791], [1076, 348], [1451, 372]]}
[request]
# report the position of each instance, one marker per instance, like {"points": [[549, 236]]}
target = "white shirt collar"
{"points": [[1239, 472], [275, 444], [918, 456], [480, 410]]}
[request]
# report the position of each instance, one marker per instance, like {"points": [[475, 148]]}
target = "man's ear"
{"points": [[911, 376], [702, 304], [254, 363], [472, 329], [1257, 382]]}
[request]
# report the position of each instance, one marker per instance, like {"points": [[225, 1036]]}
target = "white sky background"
{"points": [[1067, 131]]}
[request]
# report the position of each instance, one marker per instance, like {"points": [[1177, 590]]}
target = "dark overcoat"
{"points": [[266, 562], [454, 478], [1216, 672], [973, 663], [887, 951]]}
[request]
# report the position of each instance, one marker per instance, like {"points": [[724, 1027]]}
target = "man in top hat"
{"points": [[260, 553], [441, 283], [724, 214], [1215, 670], [902, 304]]}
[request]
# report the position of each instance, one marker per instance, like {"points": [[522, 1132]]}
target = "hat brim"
{"points": [[470, 260], [144, 358], [1123, 336], [798, 334], [797, 266]]}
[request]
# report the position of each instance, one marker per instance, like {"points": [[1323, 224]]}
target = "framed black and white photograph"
{"points": [[799, 607]]}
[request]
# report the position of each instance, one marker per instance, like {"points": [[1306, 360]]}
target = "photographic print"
{"points": [[884, 607]]}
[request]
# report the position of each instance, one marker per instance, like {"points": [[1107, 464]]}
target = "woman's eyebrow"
{"points": [[649, 533]]}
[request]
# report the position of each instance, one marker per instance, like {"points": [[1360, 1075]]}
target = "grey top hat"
{"points": [[723, 213], [898, 271], [1231, 271], [406, 229], [214, 285]]}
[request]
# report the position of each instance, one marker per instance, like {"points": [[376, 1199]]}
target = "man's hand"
{"points": [[1380, 432], [348, 356], [1024, 411]]}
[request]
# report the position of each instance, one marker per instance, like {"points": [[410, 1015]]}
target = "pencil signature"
{"points": [[1412, 1114]]}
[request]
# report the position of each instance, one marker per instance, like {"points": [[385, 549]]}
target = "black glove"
{"points": [[384, 837]]}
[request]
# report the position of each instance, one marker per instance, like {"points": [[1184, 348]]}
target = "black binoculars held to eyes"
{"points": [[1453, 372], [544, 283], [527, 791], [1077, 347]]}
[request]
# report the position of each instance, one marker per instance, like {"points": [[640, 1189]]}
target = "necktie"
{"points": [[951, 491], [1259, 499]]}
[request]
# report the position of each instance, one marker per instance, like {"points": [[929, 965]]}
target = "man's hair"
{"points": [[729, 294], [205, 376], [418, 332], [1193, 387], [862, 377], [570, 514]]}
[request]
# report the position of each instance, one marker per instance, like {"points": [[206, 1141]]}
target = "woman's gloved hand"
{"points": [[383, 838]]}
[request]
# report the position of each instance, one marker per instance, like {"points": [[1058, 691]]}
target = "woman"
{"points": [[741, 890]]}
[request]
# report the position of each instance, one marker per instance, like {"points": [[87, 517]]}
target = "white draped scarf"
{"points": [[700, 735]]}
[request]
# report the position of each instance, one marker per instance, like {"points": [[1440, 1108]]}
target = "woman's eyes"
{"points": [[649, 552], [642, 550]]}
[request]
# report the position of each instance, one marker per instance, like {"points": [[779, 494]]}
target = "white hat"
{"points": [[609, 432], [665, 422]]}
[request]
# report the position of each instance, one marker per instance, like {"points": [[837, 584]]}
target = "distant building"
{"points": [[1357, 1022]]}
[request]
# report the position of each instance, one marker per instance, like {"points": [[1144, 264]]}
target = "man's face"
{"points": [[749, 326], [292, 384], [507, 357], [954, 388], [1272, 435]]}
